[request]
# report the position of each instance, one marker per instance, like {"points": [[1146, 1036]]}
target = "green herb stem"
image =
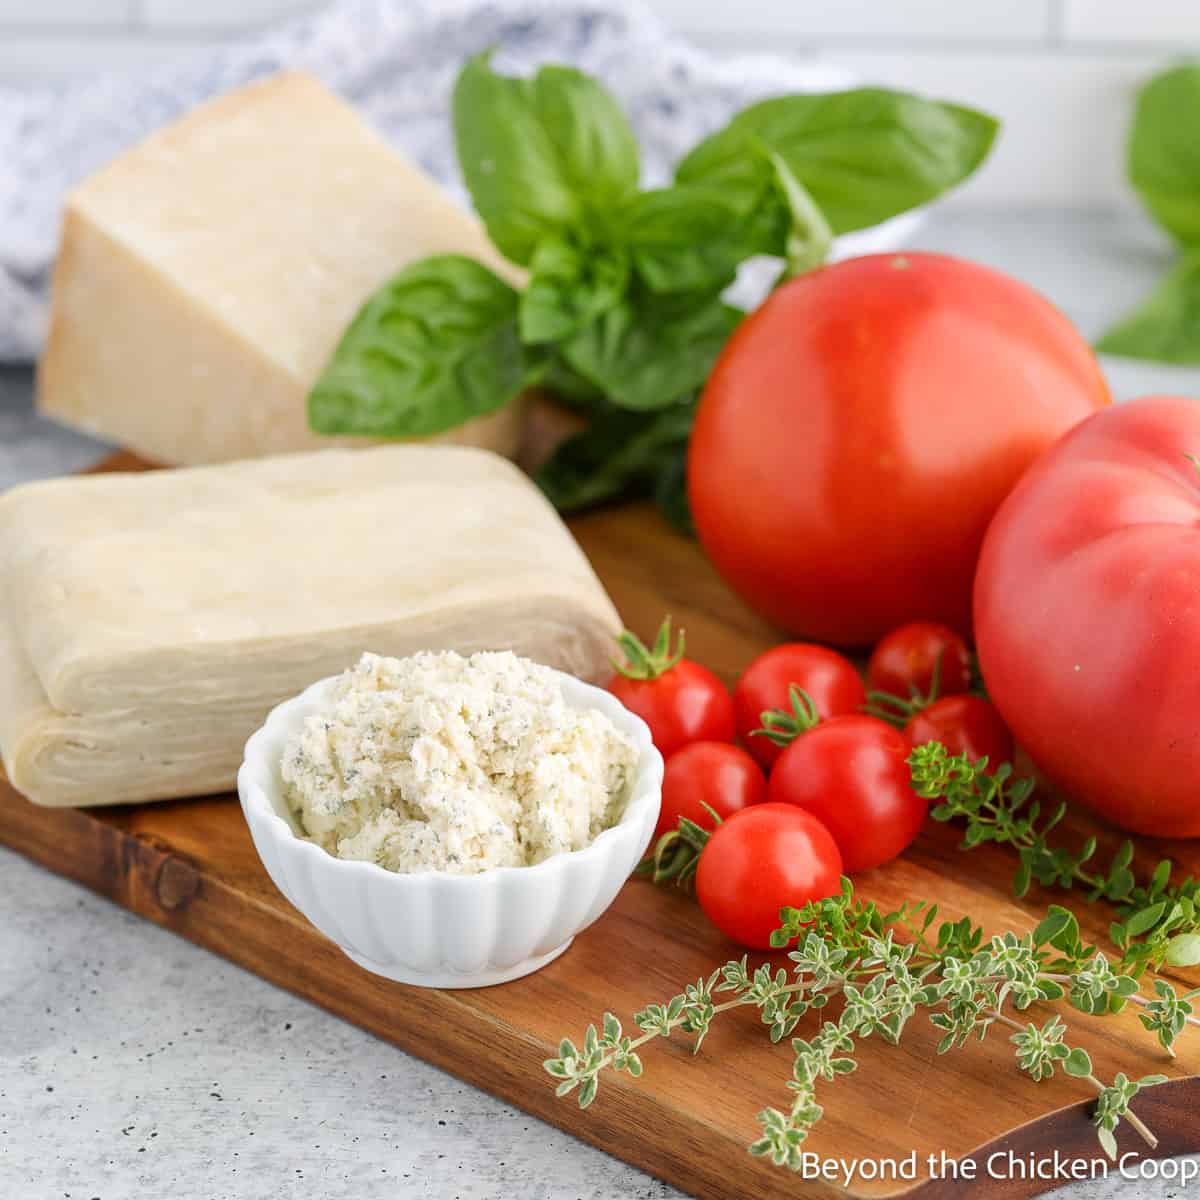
{"points": [[885, 968], [1160, 920], [1135, 1122]]}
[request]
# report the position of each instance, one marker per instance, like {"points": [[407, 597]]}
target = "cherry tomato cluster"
{"points": [[820, 784]]}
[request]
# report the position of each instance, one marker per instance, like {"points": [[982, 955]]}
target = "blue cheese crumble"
{"points": [[440, 762]]}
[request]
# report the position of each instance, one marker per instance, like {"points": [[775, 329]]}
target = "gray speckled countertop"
{"points": [[135, 1066]]}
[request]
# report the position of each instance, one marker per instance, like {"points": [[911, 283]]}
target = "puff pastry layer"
{"points": [[149, 621]]}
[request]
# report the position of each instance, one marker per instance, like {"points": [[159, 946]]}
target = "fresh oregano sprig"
{"points": [[1159, 920], [885, 969]]}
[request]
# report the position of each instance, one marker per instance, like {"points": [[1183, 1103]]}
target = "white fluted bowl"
{"points": [[436, 929]]}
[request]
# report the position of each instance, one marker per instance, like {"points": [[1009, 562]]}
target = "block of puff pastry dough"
{"points": [[149, 621]]}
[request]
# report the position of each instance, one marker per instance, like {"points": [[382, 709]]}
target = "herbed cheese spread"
{"points": [[441, 762]]}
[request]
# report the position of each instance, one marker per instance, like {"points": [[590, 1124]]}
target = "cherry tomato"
{"points": [[718, 774], [829, 680], [1087, 608], [765, 858], [861, 427], [679, 700], [905, 661], [852, 774], [966, 725]]}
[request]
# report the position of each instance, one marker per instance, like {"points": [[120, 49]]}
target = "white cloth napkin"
{"points": [[396, 60]]}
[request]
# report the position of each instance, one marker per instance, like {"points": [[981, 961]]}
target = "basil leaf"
{"points": [[1166, 327], [542, 155], [435, 346], [670, 492], [568, 287], [863, 155], [648, 351], [509, 163], [570, 388], [620, 453], [596, 145], [1164, 153], [809, 239], [690, 238]]}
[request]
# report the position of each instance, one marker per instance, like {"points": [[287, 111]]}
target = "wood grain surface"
{"points": [[190, 866]]}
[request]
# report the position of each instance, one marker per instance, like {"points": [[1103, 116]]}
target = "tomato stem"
{"points": [[896, 710], [644, 662], [783, 727], [677, 853]]}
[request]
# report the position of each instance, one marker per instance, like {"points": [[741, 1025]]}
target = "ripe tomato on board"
{"points": [[860, 429], [967, 725], [906, 661], [717, 774], [1087, 615], [829, 680], [852, 774], [762, 859], [679, 700]]}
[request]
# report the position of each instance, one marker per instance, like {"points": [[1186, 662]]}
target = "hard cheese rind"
{"points": [[149, 621], [205, 277]]}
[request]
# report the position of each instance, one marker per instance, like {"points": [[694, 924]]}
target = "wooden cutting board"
{"points": [[190, 866]]}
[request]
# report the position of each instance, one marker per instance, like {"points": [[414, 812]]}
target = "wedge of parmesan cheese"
{"points": [[204, 277], [148, 622]]}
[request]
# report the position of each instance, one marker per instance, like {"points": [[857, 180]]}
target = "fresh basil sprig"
{"points": [[1163, 164], [622, 313], [648, 352], [863, 155], [623, 453], [688, 238], [1165, 327], [542, 157], [569, 288], [432, 348], [1164, 156]]}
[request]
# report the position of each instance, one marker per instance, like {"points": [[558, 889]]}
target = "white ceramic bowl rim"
{"points": [[643, 790]]}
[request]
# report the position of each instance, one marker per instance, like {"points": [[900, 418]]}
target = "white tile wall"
{"points": [[1125, 22], [1060, 73], [999, 20], [66, 14], [47, 55], [218, 14]]}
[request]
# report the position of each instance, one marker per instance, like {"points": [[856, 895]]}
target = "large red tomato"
{"points": [[1087, 615], [860, 429]]}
